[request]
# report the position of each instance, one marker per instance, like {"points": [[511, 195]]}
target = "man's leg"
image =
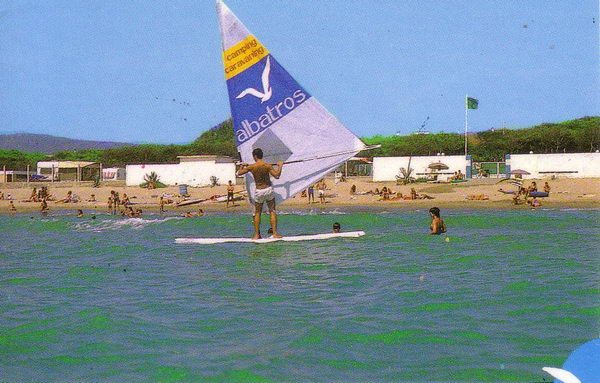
{"points": [[257, 214], [271, 205]]}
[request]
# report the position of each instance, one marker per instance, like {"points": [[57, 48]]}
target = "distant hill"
{"points": [[43, 143]]}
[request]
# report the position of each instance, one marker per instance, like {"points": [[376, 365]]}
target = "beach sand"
{"points": [[572, 193]]}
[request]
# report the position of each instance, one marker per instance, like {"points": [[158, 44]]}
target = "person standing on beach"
{"points": [[11, 207], [110, 202], [230, 189], [437, 224], [262, 173], [116, 202], [321, 186], [161, 203], [311, 194]]}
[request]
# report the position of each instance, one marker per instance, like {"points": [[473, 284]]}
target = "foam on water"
{"points": [[121, 224]]}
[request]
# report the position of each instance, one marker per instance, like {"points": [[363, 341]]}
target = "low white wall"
{"points": [[572, 165], [113, 174], [387, 168], [189, 173]]}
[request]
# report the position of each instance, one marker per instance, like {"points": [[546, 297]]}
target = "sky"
{"points": [[151, 71]]}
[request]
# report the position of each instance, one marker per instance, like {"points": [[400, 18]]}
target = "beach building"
{"points": [[13, 175], [545, 165], [191, 170], [113, 174], [431, 167], [69, 170]]}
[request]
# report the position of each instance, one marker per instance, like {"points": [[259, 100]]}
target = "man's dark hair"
{"points": [[435, 211], [257, 153], [336, 225]]}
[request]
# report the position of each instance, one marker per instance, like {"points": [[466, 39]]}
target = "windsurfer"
{"points": [[262, 172]]}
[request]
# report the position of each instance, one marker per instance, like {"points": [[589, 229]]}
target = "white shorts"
{"points": [[264, 195], [321, 192]]}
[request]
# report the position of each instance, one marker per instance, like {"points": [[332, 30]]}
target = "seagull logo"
{"points": [[267, 92]]}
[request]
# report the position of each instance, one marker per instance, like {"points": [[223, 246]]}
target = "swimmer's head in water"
{"points": [[257, 153], [337, 227], [435, 211]]}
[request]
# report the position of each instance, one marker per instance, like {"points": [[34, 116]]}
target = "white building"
{"points": [[387, 168], [113, 174], [572, 165], [191, 170]]}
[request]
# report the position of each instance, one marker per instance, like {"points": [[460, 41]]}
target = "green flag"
{"points": [[472, 103]]}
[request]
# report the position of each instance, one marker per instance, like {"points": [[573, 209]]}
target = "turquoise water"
{"points": [[116, 300]]}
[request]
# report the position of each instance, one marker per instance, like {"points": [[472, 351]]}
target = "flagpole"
{"points": [[466, 120]]}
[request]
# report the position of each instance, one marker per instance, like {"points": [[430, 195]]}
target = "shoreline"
{"points": [[566, 193], [245, 208]]}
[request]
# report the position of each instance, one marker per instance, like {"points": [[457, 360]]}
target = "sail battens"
{"points": [[272, 111]]}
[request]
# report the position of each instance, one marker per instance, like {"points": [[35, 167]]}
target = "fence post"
{"points": [[27, 173]]}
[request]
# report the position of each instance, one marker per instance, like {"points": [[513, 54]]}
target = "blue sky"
{"points": [[110, 70]]}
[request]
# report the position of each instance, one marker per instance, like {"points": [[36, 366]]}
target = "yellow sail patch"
{"points": [[242, 56]]}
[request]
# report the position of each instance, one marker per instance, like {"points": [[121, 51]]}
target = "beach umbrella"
{"points": [[438, 166], [519, 171]]}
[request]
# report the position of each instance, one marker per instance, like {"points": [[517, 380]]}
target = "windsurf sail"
{"points": [[271, 111]]}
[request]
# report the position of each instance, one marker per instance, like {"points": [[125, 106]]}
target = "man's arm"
{"points": [[276, 173], [244, 168]]}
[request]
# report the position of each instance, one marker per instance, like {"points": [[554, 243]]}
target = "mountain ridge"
{"points": [[48, 144]]}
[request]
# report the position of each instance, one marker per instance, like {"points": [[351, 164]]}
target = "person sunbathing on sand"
{"points": [[478, 197], [546, 188], [189, 214], [68, 198], [92, 198], [398, 196]]}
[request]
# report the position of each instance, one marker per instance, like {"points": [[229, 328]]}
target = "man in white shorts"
{"points": [[262, 173]]}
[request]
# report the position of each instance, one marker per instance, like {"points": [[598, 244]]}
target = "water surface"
{"points": [[116, 300]]}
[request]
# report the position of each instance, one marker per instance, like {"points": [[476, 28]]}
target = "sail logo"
{"points": [[272, 114], [255, 110], [267, 91]]}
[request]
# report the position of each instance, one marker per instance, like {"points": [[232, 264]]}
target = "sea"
{"points": [[502, 294]]}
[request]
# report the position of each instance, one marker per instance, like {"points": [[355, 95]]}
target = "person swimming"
{"points": [[437, 224], [79, 213], [337, 228]]}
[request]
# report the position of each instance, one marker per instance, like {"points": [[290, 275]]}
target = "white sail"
{"points": [[273, 112]]}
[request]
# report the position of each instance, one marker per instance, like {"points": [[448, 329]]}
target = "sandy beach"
{"points": [[573, 193]]}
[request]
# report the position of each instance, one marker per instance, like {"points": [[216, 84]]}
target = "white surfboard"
{"points": [[294, 238]]}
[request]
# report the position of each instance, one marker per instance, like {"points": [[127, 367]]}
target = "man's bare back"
{"points": [[262, 172]]}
